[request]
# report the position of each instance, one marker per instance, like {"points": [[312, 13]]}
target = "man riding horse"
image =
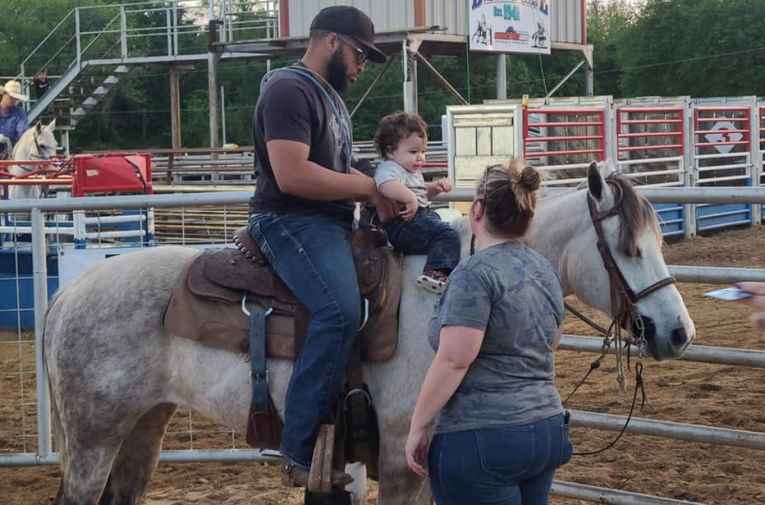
{"points": [[13, 117], [302, 211]]}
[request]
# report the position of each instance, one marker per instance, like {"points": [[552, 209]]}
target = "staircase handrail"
{"points": [[37, 48], [100, 33]]}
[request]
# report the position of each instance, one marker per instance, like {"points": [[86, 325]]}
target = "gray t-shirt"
{"points": [[513, 293], [389, 170]]}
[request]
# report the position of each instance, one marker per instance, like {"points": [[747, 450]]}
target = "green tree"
{"points": [[696, 47]]}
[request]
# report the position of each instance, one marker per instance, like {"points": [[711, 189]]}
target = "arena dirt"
{"points": [[713, 395]]}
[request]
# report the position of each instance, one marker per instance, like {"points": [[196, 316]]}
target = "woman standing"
{"points": [[501, 430]]}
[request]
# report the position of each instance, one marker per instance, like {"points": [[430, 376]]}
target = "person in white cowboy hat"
{"points": [[13, 117]]}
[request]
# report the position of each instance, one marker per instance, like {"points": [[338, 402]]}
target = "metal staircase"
{"points": [[93, 48]]}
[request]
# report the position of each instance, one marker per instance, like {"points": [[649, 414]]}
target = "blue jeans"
{"points": [[512, 465], [425, 233], [312, 255]]}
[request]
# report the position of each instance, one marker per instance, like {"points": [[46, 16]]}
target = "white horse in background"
{"points": [[37, 143], [116, 376]]}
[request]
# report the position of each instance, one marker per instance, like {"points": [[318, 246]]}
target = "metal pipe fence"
{"points": [[680, 431]]}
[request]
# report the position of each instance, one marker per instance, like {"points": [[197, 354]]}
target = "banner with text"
{"points": [[510, 26]]}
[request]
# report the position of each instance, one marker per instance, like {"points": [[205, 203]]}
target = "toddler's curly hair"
{"points": [[396, 127]]}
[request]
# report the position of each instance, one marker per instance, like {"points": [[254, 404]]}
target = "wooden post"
{"points": [[175, 107]]}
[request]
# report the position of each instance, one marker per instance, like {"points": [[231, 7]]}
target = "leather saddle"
{"points": [[212, 298]]}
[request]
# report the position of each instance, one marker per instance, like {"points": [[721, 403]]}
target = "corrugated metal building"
{"points": [[568, 16]]}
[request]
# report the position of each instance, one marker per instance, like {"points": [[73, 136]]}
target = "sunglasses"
{"points": [[361, 55]]}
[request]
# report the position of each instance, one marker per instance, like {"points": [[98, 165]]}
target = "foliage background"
{"points": [[652, 47]]}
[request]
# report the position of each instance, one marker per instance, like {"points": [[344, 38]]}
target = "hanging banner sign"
{"points": [[510, 26]]}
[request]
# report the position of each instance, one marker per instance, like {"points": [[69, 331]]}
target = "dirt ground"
{"points": [[702, 394]]}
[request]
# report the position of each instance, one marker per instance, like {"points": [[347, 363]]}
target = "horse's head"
{"points": [[45, 141], [37, 143], [630, 235]]}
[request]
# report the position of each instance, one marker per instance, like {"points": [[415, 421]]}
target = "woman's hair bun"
{"points": [[529, 179]]}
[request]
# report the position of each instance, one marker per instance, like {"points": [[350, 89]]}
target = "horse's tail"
{"points": [[58, 431]]}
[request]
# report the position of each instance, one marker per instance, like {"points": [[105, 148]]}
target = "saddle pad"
{"points": [[223, 325], [225, 274], [204, 307]]}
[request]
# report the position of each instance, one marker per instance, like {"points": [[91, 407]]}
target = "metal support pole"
{"points": [[65, 142], [123, 32], [212, 86], [410, 81], [501, 77], [589, 80], [371, 86], [78, 41], [169, 32], [223, 116], [40, 283], [175, 107], [563, 81], [441, 79]]}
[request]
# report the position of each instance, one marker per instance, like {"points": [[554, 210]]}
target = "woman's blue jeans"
{"points": [[511, 465], [312, 255]]}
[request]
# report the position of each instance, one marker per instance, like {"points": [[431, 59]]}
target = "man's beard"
{"points": [[337, 72]]}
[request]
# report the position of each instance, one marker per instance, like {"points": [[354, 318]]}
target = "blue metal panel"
{"points": [[17, 289], [711, 217], [723, 215], [671, 217]]}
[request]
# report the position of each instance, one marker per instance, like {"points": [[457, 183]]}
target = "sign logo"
{"points": [[723, 134]]}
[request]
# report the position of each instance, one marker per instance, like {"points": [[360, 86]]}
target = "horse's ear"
{"points": [[595, 181], [38, 127], [51, 125]]}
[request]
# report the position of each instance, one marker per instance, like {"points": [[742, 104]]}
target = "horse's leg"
{"points": [[138, 458], [86, 470]]}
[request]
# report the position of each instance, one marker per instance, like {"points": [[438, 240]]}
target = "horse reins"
{"points": [[623, 304]]}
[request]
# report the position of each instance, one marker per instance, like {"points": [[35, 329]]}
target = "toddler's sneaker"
{"points": [[433, 281]]}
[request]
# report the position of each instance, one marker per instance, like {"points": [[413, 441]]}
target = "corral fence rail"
{"points": [[680, 431]]}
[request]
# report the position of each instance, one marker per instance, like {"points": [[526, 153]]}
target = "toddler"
{"points": [[401, 140]]}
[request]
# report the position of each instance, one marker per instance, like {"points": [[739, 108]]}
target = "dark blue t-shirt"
{"points": [[13, 123]]}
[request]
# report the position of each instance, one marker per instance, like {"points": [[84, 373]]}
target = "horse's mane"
{"points": [[636, 213]]}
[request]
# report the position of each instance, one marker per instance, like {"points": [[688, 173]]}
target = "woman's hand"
{"points": [[417, 444]]}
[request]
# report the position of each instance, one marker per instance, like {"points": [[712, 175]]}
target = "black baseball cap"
{"points": [[353, 23]]}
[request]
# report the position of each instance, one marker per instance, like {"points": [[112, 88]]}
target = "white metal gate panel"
{"points": [[722, 156], [562, 140]]}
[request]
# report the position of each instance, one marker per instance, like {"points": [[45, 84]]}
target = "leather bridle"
{"points": [[623, 306], [623, 298]]}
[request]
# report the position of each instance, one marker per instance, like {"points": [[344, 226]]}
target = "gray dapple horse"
{"points": [[37, 143], [116, 377]]}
